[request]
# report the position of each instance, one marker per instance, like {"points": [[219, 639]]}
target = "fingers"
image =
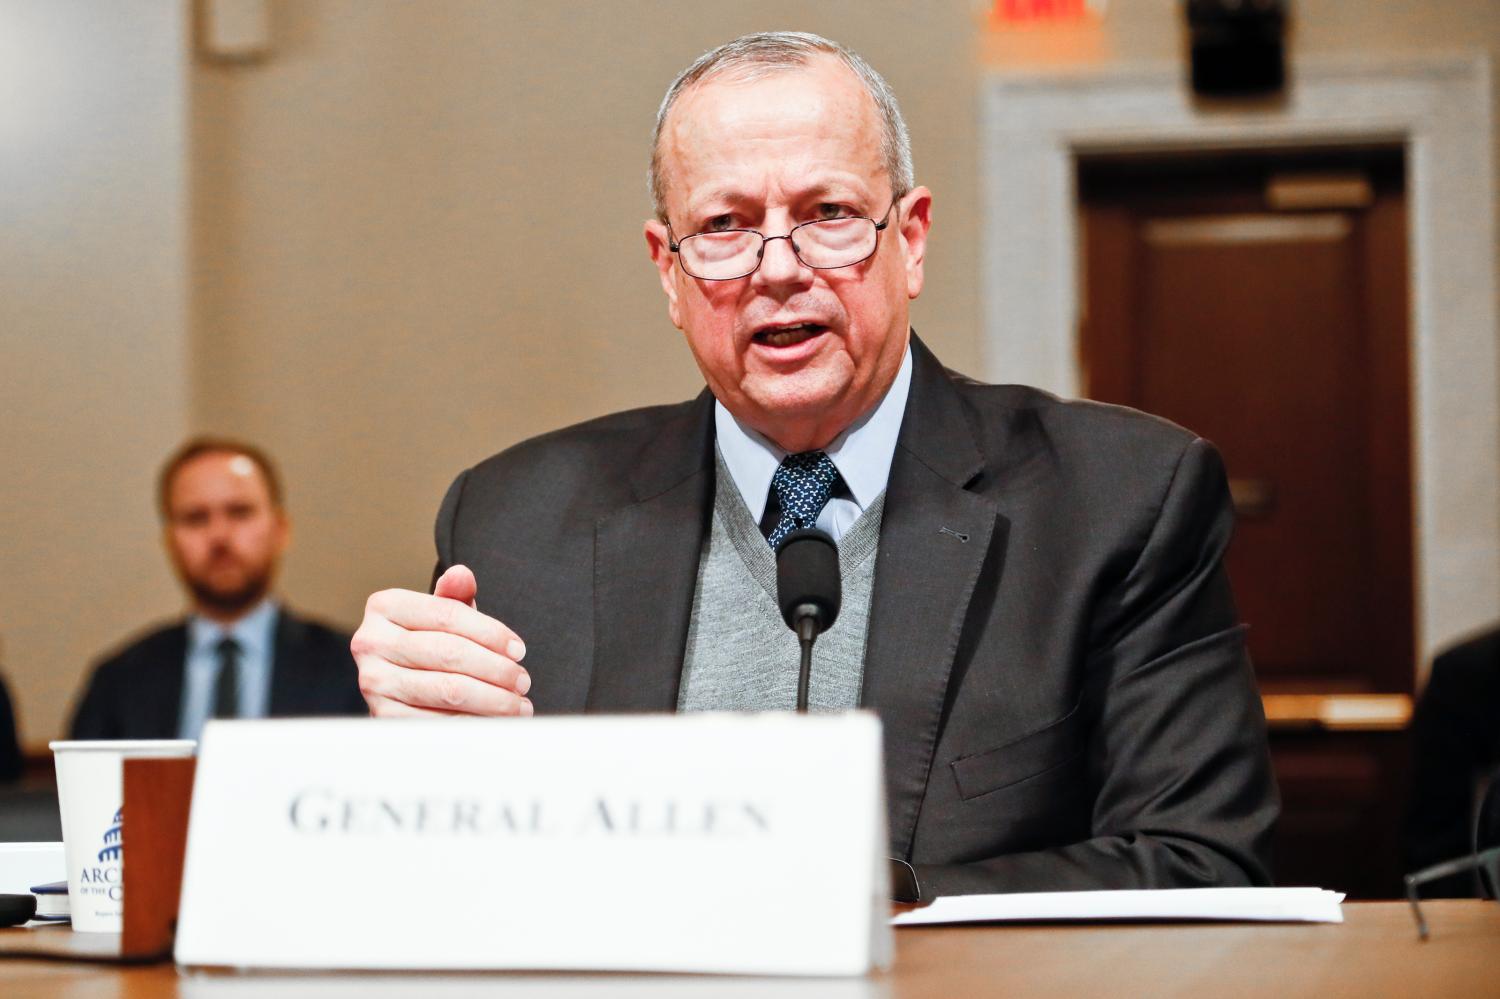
{"points": [[442, 652], [421, 653], [396, 691], [421, 612], [457, 583], [384, 707]]}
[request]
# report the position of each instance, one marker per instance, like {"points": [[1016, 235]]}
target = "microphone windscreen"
{"points": [[807, 572]]}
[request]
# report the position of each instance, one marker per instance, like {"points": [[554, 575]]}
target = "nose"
{"points": [[780, 265], [220, 527]]}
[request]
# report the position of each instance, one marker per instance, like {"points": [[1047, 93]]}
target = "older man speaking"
{"points": [[1035, 599]]}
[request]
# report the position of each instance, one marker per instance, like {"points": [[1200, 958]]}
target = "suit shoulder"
{"points": [[147, 646], [1472, 664], [316, 632], [600, 437], [1079, 428], [602, 450]]}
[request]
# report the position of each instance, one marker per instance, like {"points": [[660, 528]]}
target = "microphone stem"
{"points": [[804, 675], [807, 632]]}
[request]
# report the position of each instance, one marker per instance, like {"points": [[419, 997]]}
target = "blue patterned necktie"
{"points": [[802, 485]]}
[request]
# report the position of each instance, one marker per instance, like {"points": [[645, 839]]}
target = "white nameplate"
{"points": [[736, 844]]}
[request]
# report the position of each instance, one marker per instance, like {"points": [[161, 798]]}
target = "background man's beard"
{"points": [[229, 602]]}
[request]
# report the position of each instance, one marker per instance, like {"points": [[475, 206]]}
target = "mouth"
{"points": [[788, 335]]}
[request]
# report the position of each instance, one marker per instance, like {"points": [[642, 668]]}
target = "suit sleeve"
{"points": [[1184, 794]]}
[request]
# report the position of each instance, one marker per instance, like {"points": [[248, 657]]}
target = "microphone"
{"points": [[808, 591]]}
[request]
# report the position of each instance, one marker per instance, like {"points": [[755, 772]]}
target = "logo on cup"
{"points": [[104, 881], [112, 840]]}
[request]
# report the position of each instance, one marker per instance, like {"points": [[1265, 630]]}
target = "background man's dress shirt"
{"points": [[255, 634]]}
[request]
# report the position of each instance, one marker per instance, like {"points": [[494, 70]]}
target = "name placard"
{"points": [[716, 843]]}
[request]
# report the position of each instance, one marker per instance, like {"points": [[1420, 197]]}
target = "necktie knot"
{"points": [[802, 485]]}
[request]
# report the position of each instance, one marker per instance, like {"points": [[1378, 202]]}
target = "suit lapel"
{"points": [[646, 567], [934, 540], [286, 693], [163, 699]]}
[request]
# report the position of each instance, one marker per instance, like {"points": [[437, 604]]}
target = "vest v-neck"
{"points": [[857, 544]]}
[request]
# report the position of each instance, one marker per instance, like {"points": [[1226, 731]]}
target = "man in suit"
{"points": [[1035, 599], [239, 654], [10, 744], [1456, 759]]}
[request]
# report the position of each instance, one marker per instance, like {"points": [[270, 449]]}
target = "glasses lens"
{"points": [[718, 256], [835, 242]]}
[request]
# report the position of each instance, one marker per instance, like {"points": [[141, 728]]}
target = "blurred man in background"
{"points": [[10, 745], [239, 653], [1456, 741]]}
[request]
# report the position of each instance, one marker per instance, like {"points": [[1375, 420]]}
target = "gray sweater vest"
{"points": [[741, 656]]}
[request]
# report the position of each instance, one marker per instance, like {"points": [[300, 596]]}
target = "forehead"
{"points": [[216, 475], [776, 132]]}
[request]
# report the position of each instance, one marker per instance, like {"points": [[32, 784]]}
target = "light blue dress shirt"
{"points": [[256, 634], [862, 454]]}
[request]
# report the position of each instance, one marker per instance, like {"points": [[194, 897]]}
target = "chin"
{"points": [[794, 404], [231, 599], [793, 396]]}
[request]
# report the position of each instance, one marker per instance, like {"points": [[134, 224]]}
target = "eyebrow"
{"points": [[733, 196]]}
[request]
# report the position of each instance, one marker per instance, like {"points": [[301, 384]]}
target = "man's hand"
{"points": [[422, 655]]}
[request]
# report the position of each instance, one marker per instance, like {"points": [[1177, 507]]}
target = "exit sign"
{"points": [[1020, 13]]}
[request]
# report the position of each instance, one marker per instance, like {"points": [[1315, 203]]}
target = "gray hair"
{"points": [[752, 56]]}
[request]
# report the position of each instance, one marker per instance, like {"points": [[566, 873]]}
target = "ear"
{"points": [[283, 531], [916, 220], [659, 243]]}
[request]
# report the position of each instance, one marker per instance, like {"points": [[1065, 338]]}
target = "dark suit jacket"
{"points": [[137, 693], [1456, 743], [1065, 692], [10, 746]]}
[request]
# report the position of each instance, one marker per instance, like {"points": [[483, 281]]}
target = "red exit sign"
{"points": [[1018, 13]]}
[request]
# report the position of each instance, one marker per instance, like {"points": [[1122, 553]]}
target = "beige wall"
{"points": [[93, 329], [415, 238]]}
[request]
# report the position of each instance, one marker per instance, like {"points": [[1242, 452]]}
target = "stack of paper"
{"points": [[25, 864], [1276, 905]]}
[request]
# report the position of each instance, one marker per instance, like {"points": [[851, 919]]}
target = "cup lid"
{"points": [[168, 747]]}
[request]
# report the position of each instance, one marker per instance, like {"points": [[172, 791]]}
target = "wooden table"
{"points": [[1374, 953]]}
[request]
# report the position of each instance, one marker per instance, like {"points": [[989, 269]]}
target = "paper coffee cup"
{"points": [[91, 797]]}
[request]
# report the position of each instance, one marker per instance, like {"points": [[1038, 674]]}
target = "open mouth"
{"points": [[789, 336]]}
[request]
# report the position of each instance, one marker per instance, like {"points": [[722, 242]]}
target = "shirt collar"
{"points": [[862, 453], [254, 631]]}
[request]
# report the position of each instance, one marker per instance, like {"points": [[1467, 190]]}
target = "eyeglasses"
{"points": [[1485, 863], [823, 245]]}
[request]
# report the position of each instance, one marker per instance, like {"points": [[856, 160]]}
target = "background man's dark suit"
{"points": [[1061, 675], [10, 746], [137, 694]]}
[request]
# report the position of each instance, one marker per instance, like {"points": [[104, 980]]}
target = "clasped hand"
{"points": [[435, 654]]}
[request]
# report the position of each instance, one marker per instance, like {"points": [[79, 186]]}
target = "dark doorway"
{"points": [[1259, 299]]}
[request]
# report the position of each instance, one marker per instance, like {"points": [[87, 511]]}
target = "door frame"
{"points": [[1033, 129]]}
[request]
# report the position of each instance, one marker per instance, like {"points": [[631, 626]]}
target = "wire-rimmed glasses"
{"points": [[822, 244], [1485, 863]]}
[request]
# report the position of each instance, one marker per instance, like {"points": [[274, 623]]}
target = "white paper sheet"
{"points": [[1279, 905], [25, 864]]}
